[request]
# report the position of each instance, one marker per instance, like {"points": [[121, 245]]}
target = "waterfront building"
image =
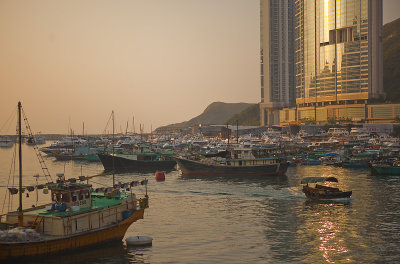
{"points": [[277, 58], [339, 61]]}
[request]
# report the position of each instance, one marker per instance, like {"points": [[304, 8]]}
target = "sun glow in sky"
{"points": [[159, 61]]}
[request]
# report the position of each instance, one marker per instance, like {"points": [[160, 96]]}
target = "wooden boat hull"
{"points": [[122, 164], [325, 195], [191, 167], [51, 246]]}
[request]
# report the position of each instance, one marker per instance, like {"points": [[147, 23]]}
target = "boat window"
{"points": [[81, 195], [87, 194], [74, 197], [65, 197]]}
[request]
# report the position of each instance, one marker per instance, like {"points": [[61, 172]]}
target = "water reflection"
{"points": [[325, 227], [110, 252], [270, 180], [195, 219]]}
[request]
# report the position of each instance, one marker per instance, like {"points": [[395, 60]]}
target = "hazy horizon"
{"points": [[159, 61]]}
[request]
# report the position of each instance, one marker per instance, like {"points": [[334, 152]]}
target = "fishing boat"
{"points": [[243, 162], [137, 162], [141, 158], [314, 189], [386, 168], [77, 216]]}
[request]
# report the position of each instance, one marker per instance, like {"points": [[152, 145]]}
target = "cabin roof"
{"points": [[99, 201], [318, 179]]}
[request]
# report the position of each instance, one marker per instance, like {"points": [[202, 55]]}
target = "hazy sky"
{"points": [[161, 61]]}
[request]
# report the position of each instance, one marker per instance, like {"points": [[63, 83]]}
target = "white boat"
{"points": [[338, 132]]}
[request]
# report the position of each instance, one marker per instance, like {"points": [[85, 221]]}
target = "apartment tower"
{"points": [[277, 58], [338, 58]]}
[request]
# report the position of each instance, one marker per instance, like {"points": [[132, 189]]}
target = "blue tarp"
{"points": [[332, 154]]}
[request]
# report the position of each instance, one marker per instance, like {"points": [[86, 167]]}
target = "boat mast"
{"points": [[237, 131], [113, 160], [20, 215], [228, 132]]}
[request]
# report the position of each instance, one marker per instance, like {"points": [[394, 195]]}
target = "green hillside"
{"points": [[248, 117], [391, 60], [216, 113]]}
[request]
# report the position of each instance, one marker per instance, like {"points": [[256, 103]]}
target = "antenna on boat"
{"points": [[20, 215]]}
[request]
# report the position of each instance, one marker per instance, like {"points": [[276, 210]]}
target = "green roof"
{"points": [[99, 202]]}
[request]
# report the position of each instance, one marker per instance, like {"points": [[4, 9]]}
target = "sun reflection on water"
{"points": [[325, 226]]}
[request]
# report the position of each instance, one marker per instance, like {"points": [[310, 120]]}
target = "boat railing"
{"points": [[3, 216]]}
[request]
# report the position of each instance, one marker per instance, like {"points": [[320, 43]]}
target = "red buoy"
{"points": [[160, 176]]}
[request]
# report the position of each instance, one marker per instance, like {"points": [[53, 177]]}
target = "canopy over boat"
{"points": [[318, 179]]}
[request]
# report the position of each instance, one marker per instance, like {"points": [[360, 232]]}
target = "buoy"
{"points": [[139, 241], [160, 176]]}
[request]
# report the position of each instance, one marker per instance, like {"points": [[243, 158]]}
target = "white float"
{"points": [[139, 241]]}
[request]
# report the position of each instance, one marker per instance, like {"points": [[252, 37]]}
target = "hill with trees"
{"points": [[216, 113]]}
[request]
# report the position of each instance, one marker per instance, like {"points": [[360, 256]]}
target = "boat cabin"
{"points": [[255, 156], [66, 194], [337, 132], [255, 152]]}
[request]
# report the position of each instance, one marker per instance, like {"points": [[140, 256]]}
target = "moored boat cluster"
{"points": [[80, 215], [344, 147]]}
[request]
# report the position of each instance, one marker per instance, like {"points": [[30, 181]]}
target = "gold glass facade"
{"points": [[331, 51]]}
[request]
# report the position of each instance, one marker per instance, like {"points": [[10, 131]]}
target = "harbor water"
{"points": [[239, 220]]}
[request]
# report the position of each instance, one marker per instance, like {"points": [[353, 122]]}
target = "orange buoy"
{"points": [[160, 176]]}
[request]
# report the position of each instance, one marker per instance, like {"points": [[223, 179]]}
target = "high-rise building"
{"points": [[339, 61], [277, 58]]}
